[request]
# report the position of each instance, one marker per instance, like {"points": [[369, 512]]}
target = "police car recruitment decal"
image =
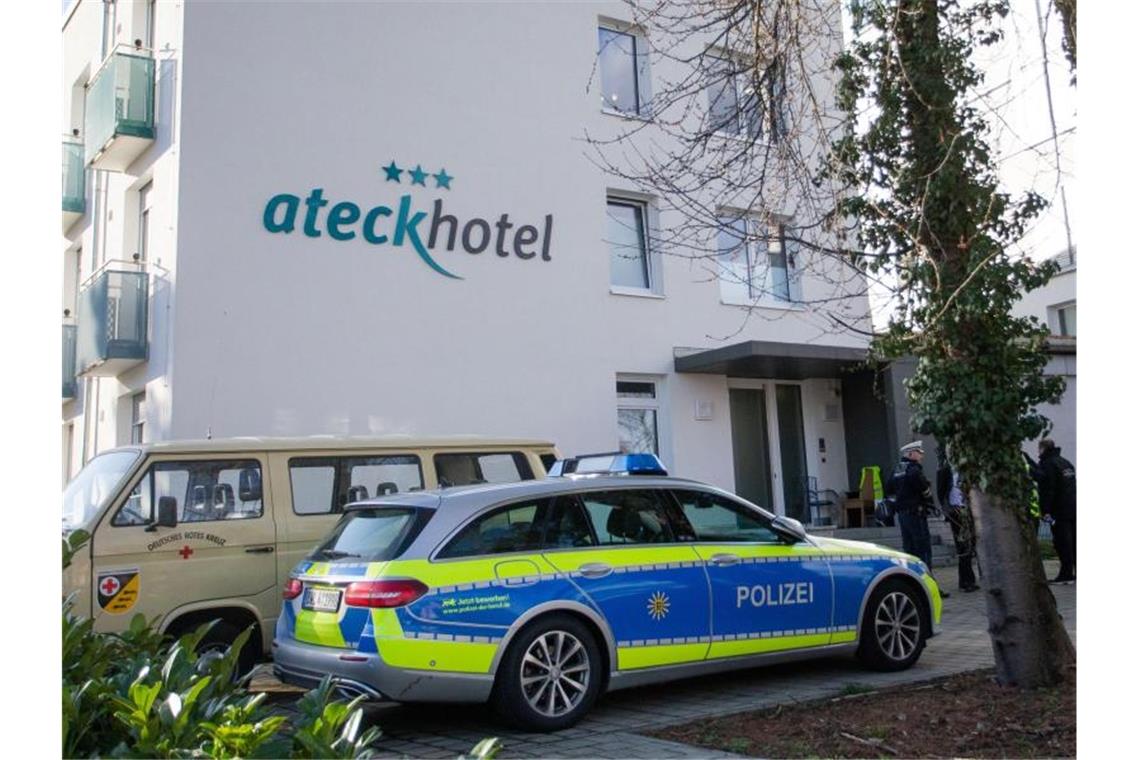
{"points": [[459, 604], [345, 221], [117, 590]]}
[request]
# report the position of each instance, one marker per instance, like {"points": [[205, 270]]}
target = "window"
{"points": [[637, 417], [322, 485], [1067, 320], [138, 417], [734, 104], [148, 26], [144, 221], [754, 259], [468, 468], [374, 535], [628, 517], [628, 240], [228, 489], [527, 526], [623, 68], [714, 518]]}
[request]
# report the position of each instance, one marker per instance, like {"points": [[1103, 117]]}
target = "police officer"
{"points": [[913, 499], [953, 501], [1059, 503]]}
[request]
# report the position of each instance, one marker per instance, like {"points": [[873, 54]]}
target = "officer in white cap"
{"points": [[913, 498]]}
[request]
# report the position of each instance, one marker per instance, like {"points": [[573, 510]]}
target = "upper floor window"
{"points": [[1066, 319], [744, 100], [144, 221], [627, 236], [734, 103], [637, 416], [755, 259], [138, 417], [623, 68]]}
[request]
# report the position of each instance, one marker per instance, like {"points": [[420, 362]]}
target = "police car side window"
{"points": [[203, 491], [715, 518], [628, 517], [518, 527]]}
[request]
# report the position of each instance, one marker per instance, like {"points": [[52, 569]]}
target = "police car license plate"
{"points": [[321, 599]]}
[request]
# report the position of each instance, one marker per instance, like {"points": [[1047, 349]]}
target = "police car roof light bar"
{"points": [[609, 463]]}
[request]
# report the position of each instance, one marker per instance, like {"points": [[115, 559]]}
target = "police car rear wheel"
{"points": [[891, 637], [550, 675]]}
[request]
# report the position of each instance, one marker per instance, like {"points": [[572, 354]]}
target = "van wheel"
{"points": [[550, 676], [891, 634], [219, 638]]}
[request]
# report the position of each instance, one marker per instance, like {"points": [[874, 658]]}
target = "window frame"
{"points": [[640, 61], [640, 404], [747, 124], [642, 206], [138, 418], [757, 245], [338, 463]]}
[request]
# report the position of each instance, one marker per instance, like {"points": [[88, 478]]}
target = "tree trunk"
{"points": [[1031, 646]]}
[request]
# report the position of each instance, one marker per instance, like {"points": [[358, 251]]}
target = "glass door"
{"points": [[793, 458], [751, 456]]}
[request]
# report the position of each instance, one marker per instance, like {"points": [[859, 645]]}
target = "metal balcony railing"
{"points": [[70, 382], [112, 322], [118, 121]]}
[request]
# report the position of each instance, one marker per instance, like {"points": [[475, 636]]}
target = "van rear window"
{"points": [[482, 467], [373, 535]]}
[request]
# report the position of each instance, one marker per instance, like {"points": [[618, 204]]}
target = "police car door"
{"points": [[767, 595], [221, 547], [646, 579]]}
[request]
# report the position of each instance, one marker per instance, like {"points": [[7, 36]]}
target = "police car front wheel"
{"points": [[550, 675], [891, 637]]}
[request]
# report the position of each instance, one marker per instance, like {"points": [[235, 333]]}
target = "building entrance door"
{"points": [[751, 454], [793, 459]]}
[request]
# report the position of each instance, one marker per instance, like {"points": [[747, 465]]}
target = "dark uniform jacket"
{"points": [[911, 489], [1058, 486]]}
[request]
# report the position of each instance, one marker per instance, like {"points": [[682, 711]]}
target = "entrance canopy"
{"points": [[777, 361]]}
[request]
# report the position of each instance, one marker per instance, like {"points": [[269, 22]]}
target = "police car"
{"points": [[608, 574]]}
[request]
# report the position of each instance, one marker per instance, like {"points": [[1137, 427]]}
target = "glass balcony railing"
{"points": [[74, 182], [112, 323], [69, 379], [118, 123]]}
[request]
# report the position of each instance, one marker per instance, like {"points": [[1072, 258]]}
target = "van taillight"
{"points": [[293, 588], [395, 593]]}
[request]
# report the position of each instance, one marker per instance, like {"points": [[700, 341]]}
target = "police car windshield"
{"points": [[88, 491], [373, 535]]}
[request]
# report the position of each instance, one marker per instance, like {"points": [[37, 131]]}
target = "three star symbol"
{"points": [[418, 176]]}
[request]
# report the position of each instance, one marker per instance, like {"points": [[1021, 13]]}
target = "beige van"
{"points": [[186, 532]]}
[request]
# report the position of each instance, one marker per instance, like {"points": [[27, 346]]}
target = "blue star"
{"points": [[443, 179], [418, 175], [393, 172]]}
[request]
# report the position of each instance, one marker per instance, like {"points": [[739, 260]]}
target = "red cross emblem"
{"points": [[185, 551], [109, 586]]}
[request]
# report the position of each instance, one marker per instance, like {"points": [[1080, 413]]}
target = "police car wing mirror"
{"points": [[789, 529], [167, 512]]}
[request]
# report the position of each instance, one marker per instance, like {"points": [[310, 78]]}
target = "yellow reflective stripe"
{"points": [[451, 656], [935, 597], [640, 557], [462, 571], [775, 644], [321, 628], [318, 568], [705, 551], [670, 654], [843, 637], [376, 569]]}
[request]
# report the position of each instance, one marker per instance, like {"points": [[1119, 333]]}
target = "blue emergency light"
{"points": [[609, 463]]}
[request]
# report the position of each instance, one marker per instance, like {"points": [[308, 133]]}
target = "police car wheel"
{"points": [[891, 637], [550, 676]]}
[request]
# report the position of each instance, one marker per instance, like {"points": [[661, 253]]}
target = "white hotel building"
{"points": [[259, 205]]}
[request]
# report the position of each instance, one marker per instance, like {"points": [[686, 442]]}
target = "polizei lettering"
{"points": [[775, 594]]}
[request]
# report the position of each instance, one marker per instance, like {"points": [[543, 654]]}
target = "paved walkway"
{"points": [[611, 729]]}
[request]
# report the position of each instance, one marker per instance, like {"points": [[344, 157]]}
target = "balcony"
{"points": [[74, 183], [69, 380], [119, 120], [112, 323]]}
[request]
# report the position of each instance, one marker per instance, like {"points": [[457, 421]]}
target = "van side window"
{"points": [[323, 485], [467, 468], [225, 489]]}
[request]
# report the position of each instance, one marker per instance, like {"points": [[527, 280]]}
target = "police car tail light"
{"points": [[394, 593], [293, 589]]}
